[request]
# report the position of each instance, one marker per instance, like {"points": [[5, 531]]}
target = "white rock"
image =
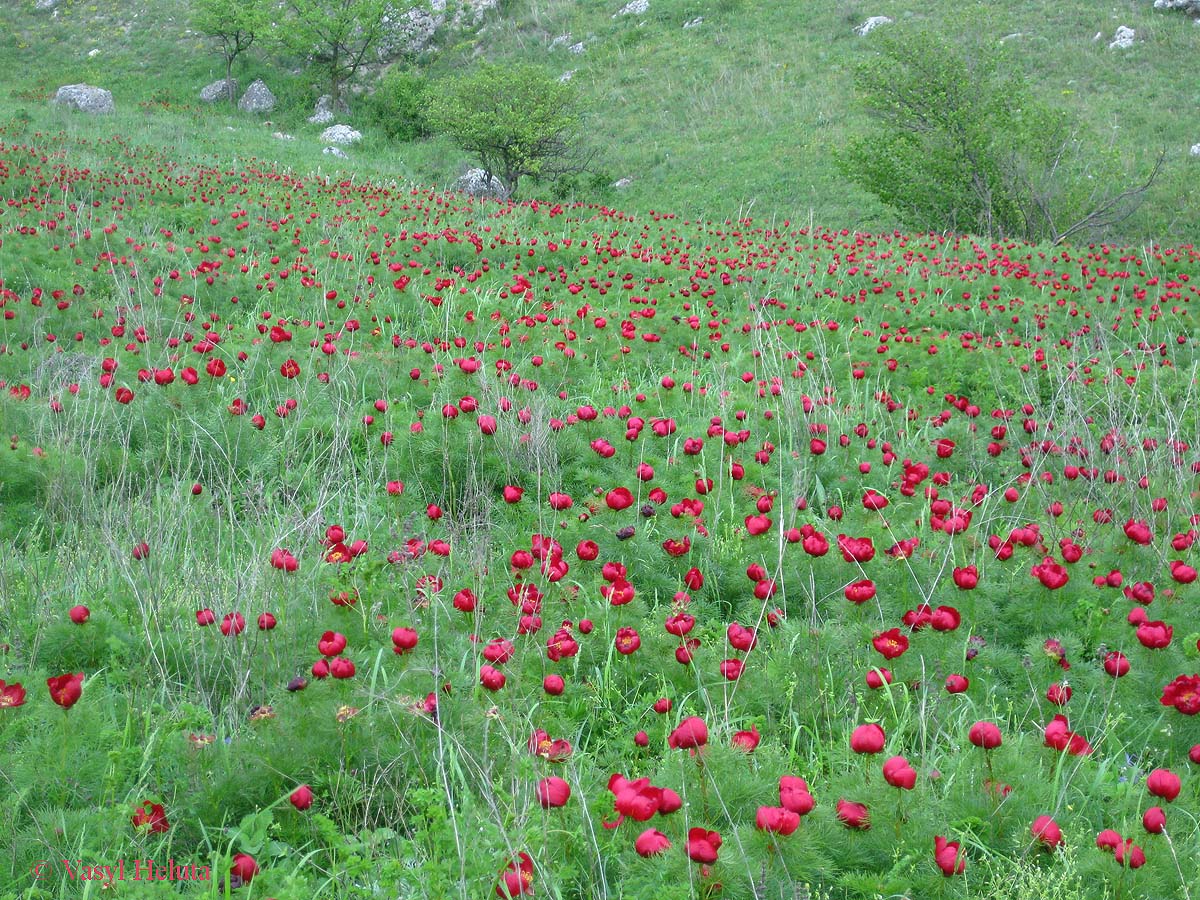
{"points": [[1195, 151], [335, 151], [93, 53], [211, 93], [576, 48], [871, 24], [257, 99], [476, 183], [634, 8], [340, 134], [694, 23], [84, 97], [622, 182], [566, 76], [1123, 39], [281, 136]]}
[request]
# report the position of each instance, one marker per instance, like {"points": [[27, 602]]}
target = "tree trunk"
{"points": [[229, 80]]}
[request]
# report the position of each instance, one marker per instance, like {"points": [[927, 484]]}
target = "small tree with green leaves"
{"points": [[960, 143], [339, 36], [234, 24], [516, 118]]}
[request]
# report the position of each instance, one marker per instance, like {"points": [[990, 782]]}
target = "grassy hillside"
{"points": [[738, 115]]}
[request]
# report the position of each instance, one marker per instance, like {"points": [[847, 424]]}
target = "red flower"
{"points": [[878, 677], [244, 868], [404, 640], [1163, 783], [1059, 693], [301, 797], [966, 579], [11, 695], [290, 369], [331, 643], [618, 499], [205, 617], [1116, 664], [957, 684], [891, 643], [1184, 694], [948, 856], [341, 667], [282, 559], [233, 624], [702, 845], [867, 739], [1059, 737], [651, 842], [858, 550], [794, 795], [776, 819], [553, 792], [1154, 820], [1050, 573], [492, 679], [151, 815], [1046, 830], [690, 734], [746, 740], [78, 614], [627, 640], [266, 622], [860, 591], [853, 815], [731, 669], [65, 690], [985, 735], [1127, 853], [1154, 635], [899, 774], [741, 638]]}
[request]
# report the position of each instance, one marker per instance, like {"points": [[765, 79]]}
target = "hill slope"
{"points": [[736, 115]]}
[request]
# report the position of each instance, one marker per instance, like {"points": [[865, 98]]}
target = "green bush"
{"points": [[397, 108]]}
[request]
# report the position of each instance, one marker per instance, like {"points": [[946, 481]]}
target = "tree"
{"points": [[960, 143], [516, 118], [338, 35], [234, 24]]}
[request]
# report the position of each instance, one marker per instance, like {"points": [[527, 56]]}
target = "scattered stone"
{"points": [[335, 151], [566, 76], [85, 98], [257, 99], [576, 48], [871, 24], [622, 182], [280, 136], [1195, 151], [340, 134], [1187, 6], [476, 183], [323, 114], [218, 90], [93, 53], [561, 41], [694, 23], [1097, 36], [470, 13], [634, 8], [1123, 39], [1015, 36], [45, 5]]}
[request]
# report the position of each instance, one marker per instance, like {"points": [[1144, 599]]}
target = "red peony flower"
{"points": [[690, 734], [891, 643], [853, 815], [244, 868], [1047, 832], [899, 774], [79, 614], [516, 879], [702, 845], [65, 690], [867, 738], [746, 740], [948, 856], [651, 842], [11, 695], [794, 795], [152, 817], [1163, 783], [301, 797], [553, 792], [776, 819], [985, 735], [1184, 694]]}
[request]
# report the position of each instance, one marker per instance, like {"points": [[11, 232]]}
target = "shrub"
{"points": [[397, 108]]}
